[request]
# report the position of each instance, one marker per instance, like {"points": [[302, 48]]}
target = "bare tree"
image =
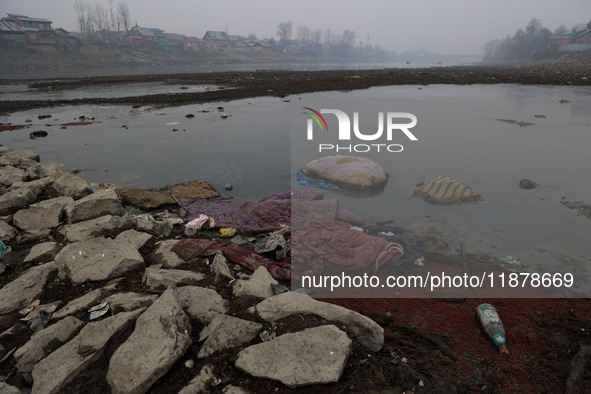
{"points": [[560, 31], [81, 9], [123, 15], [284, 31], [303, 33]]}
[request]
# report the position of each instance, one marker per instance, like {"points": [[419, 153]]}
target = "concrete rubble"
{"points": [[71, 241]]}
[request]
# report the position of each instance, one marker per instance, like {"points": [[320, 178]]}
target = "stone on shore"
{"points": [[14, 157], [42, 253], [72, 185], [202, 304], [38, 186], [165, 256], [104, 226], [258, 285], [97, 259], [227, 332], [136, 238], [42, 215], [24, 289], [53, 373], [16, 199], [10, 175], [129, 301], [52, 169], [312, 356], [101, 203], [157, 280], [47, 340], [201, 383], [162, 335], [366, 331], [7, 232], [83, 303], [6, 388], [220, 268]]}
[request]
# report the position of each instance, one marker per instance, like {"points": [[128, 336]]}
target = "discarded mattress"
{"points": [[446, 191], [347, 172]]}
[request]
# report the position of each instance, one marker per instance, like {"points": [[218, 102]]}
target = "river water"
{"points": [[261, 144]]}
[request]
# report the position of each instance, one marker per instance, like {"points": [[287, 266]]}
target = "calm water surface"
{"points": [[261, 144]]}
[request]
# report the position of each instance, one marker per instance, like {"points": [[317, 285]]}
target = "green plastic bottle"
{"points": [[492, 325]]}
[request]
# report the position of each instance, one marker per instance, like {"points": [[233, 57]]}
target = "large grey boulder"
{"points": [[366, 331], [42, 253], [14, 158], [202, 304], [258, 285], [104, 226], [227, 332], [52, 169], [162, 335], [72, 185], [97, 259], [37, 186], [16, 199], [10, 175], [53, 373], [47, 340], [220, 268], [157, 280], [30, 236], [24, 289], [6, 388], [313, 356], [164, 255], [101, 203], [44, 214]]}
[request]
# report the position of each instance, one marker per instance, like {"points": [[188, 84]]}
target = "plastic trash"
{"points": [[492, 325], [228, 232], [201, 222], [4, 249], [98, 310]]}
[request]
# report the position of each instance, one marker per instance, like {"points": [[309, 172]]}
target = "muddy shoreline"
{"points": [[248, 84]]}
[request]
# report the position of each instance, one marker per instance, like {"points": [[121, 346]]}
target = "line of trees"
{"points": [[531, 41], [99, 23], [315, 42]]}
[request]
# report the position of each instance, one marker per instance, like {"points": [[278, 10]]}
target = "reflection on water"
{"points": [[458, 136]]}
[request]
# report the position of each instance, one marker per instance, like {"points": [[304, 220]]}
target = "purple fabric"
{"points": [[266, 214]]}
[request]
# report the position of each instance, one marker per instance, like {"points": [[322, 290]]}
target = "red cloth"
{"points": [[333, 244]]}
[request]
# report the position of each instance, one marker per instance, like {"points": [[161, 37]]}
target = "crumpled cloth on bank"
{"points": [[330, 245], [243, 255], [414, 250], [294, 208]]}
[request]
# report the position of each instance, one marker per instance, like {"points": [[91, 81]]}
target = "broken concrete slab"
{"points": [[366, 331], [72, 185], [202, 304], [157, 279], [24, 289], [16, 199], [97, 259], [258, 285], [161, 336], [104, 226], [42, 253], [44, 214], [313, 356], [136, 238], [101, 203], [53, 373], [47, 340], [227, 332]]}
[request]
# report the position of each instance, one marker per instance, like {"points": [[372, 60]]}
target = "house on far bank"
{"points": [[576, 41], [215, 40], [35, 34], [35, 29], [192, 43]]}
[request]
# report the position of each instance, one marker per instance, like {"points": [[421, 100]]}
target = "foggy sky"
{"points": [[442, 26]]}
